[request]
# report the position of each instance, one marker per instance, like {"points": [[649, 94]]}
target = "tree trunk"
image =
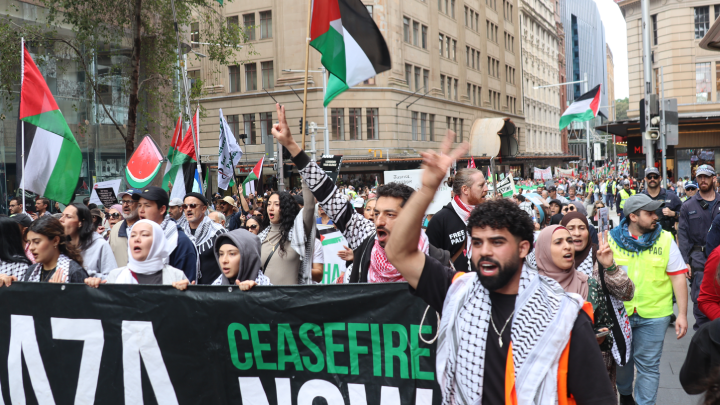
{"points": [[134, 82]]}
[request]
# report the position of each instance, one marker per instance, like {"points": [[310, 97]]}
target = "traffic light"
{"points": [[301, 124], [653, 130]]}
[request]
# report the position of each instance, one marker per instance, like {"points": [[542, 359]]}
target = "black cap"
{"points": [[550, 188], [198, 196], [22, 219], [153, 193], [555, 201]]}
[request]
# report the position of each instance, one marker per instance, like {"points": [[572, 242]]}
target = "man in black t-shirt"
{"points": [[499, 301]]}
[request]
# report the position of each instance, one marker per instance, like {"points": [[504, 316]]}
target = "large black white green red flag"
{"points": [[52, 156], [582, 109], [229, 154], [352, 47]]}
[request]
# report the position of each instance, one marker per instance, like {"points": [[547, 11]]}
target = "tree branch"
{"points": [[155, 76]]}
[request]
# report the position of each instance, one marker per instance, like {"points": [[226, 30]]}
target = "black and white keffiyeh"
{"points": [[300, 244], [169, 227], [544, 317], [16, 269], [63, 264], [204, 237]]}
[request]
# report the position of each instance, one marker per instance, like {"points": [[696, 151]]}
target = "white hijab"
{"points": [[159, 251]]}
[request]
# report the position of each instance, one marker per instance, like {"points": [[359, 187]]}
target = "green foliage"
{"points": [[621, 108], [103, 32]]}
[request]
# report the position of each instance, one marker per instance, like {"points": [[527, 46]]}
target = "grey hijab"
{"points": [[249, 246], [580, 207]]}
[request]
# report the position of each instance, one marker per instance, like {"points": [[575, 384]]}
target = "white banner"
{"points": [[543, 174], [564, 172], [332, 243], [229, 154], [412, 179], [113, 184]]}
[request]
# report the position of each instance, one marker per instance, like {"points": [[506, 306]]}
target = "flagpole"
{"points": [[307, 62], [22, 124]]}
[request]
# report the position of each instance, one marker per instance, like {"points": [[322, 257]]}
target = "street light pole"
{"points": [[587, 131], [326, 137], [645, 6]]}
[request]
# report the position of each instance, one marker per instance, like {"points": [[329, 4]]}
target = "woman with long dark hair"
{"points": [[254, 225], [13, 263], [285, 254], [58, 260], [98, 258]]}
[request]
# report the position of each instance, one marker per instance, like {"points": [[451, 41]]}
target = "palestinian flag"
{"points": [[52, 155], [583, 109], [248, 185], [352, 47], [182, 161]]}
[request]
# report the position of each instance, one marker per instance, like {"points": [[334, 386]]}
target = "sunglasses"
{"points": [[114, 215], [191, 206], [252, 226], [571, 208], [128, 202], [652, 177]]}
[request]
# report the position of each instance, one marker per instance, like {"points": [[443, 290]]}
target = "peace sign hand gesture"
{"points": [[437, 165], [281, 132], [604, 253]]}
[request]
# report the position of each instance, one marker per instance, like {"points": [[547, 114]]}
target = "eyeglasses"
{"points": [[191, 206], [114, 215], [128, 202], [652, 177]]}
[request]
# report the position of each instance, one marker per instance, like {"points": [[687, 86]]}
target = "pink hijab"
{"points": [[570, 280]]}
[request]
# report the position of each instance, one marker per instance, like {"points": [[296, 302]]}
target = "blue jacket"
{"points": [[184, 257], [233, 222], [672, 201], [713, 237], [693, 229]]}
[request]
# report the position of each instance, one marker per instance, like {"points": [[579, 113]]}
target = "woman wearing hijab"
{"points": [[238, 256], [555, 257], [614, 281], [148, 251]]}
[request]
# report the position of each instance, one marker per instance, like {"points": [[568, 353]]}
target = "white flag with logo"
{"points": [[229, 154]]}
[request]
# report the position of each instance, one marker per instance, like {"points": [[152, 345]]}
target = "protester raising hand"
{"points": [[281, 132], [437, 165], [604, 253]]}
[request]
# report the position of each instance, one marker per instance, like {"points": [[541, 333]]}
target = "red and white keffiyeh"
{"points": [[381, 271], [463, 210]]}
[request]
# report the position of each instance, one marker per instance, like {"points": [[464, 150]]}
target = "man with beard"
{"points": [[498, 305], [118, 239], [670, 213], [175, 209], [202, 232], [365, 238], [696, 217], [15, 206], [654, 264], [553, 195], [446, 229]]}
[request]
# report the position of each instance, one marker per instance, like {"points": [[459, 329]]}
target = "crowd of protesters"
{"points": [[532, 281]]}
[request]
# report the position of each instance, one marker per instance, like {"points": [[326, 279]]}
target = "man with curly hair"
{"points": [[500, 313], [366, 238]]}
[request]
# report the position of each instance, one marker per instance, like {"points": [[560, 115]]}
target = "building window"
{"points": [[431, 131], [416, 33], [233, 22], [268, 75], [448, 121], [442, 85], [370, 80], [441, 44], [406, 29], [370, 10], [338, 124], [454, 50], [249, 23], [654, 28], [466, 16], [234, 79], [193, 77], [408, 73], [423, 126], [426, 80], [195, 34], [373, 127], [459, 137], [452, 8], [424, 36], [455, 87], [418, 71], [234, 123], [702, 82], [355, 118], [702, 21], [447, 47], [414, 126], [265, 24], [265, 127], [250, 128], [469, 91], [250, 76]]}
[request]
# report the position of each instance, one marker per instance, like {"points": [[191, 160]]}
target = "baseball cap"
{"points": [[652, 170], [129, 192], [691, 184], [198, 196], [22, 219], [705, 170], [230, 201], [626, 182], [153, 193], [555, 201], [641, 202], [550, 188], [175, 202]]}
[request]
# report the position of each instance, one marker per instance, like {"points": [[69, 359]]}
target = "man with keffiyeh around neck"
{"points": [[366, 238], [654, 263], [505, 332], [446, 229]]}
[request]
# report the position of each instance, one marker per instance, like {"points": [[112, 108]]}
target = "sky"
{"points": [[616, 38]]}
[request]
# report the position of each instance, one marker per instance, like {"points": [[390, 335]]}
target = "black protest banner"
{"points": [[349, 344]]}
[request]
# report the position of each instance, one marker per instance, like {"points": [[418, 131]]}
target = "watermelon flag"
{"points": [[352, 47], [583, 109], [254, 175], [184, 161], [52, 155], [144, 163]]}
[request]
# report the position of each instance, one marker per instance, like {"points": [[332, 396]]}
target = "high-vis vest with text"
{"points": [[624, 196], [648, 271]]}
